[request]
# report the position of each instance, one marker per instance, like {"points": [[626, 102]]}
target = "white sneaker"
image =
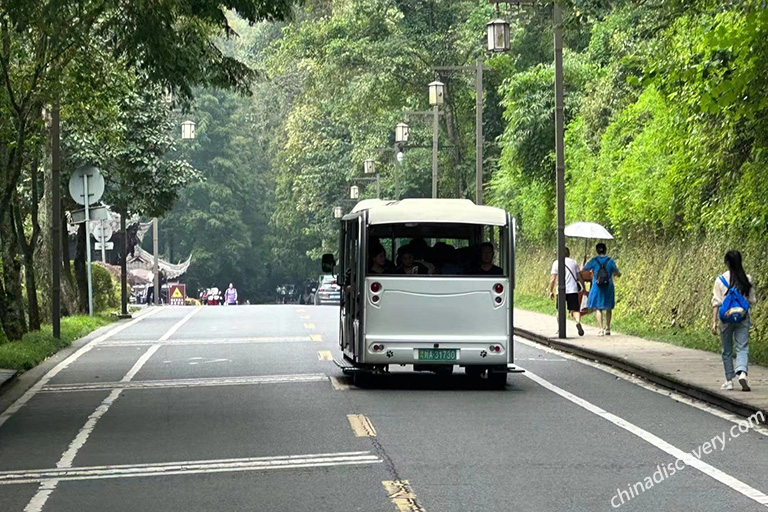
{"points": [[727, 385], [743, 381]]}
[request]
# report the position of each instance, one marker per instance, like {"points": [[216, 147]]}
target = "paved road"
{"points": [[239, 409]]}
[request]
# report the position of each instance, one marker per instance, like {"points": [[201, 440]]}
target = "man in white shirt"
{"points": [[573, 282]]}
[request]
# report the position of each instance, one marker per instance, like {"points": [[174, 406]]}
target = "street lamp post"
{"points": [[188, 130], [369, 167], [498, 40], [436, 97], [478, 69]]}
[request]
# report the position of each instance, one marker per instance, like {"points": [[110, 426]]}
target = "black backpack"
{"points": [[603, 277]]}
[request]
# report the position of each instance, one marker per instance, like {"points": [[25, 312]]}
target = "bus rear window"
{"points": [[436, 250]]}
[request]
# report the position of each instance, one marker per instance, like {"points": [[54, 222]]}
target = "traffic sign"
{"points": [[177, 293], [95, 213], [107, 246], [95, 185], [101, 231]]}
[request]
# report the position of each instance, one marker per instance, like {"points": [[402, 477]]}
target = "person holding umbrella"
{"points": [[602, 293]]}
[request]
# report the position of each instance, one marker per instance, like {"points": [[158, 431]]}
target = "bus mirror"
{"points": [[329, 263]]}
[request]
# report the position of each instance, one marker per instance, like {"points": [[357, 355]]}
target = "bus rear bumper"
{"points": [[491, 352]]}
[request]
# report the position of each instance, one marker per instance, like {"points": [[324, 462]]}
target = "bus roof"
{"points": [[452, 211]]}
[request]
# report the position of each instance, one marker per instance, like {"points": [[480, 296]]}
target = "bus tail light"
{"points": [[378, 347], [499, 300], [375, 299], [375, 287], [495, 348], [498, 288]]}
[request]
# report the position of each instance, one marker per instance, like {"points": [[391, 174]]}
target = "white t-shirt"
{"points": [[571, 285]]}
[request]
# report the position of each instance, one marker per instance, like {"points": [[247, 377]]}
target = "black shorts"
{"points": [[572, 301]]}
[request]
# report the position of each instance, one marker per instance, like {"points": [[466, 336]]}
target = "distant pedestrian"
{"points": [[573, 284], [602, 295], [732, 296], [230, 296]]}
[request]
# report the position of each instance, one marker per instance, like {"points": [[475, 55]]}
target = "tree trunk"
{"points": [[69, 298], [28, 252], [13, 319]]}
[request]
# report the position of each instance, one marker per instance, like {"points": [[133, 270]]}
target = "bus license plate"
{"points": [[437, 354]]}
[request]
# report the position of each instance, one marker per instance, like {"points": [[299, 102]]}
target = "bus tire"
{"points": [[362, 379], [497, 380], [474, 372]]}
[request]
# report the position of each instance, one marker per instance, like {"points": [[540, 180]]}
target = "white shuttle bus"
{"points": [[427, 283]]}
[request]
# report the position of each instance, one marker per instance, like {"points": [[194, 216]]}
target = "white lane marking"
{"points": [[204, 341], [186, 383], [82, 436], [688, 458], [140, 363], [26, 397], [650, 386], [338, 385], [186, 467], [539, 359], [178, 325], [38, 501]]}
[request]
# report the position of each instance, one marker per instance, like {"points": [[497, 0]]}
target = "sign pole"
{"points": [[88, 244], [103, 243], [155, 264]]}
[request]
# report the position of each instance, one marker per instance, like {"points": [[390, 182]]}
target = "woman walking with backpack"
{"points": [[732, 296], [602, 293]]}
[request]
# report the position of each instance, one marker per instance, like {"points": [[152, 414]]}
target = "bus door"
{"points": [[351, 274]]}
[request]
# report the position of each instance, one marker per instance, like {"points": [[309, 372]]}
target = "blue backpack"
{"points": [[735, 307]]}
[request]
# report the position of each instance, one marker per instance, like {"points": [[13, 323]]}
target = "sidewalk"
{"points": [[696, 373]]}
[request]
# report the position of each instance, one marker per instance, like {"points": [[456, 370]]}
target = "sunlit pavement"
{"points": [[242, 408]]}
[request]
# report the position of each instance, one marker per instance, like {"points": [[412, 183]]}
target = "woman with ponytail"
{"points": [[733, 330]]}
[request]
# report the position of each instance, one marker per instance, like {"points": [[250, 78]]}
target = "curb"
{"points": [[8, 380], [731, 405]]}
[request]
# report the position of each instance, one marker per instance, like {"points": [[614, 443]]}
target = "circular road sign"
{"points": [[95, 184], [102, 232]]}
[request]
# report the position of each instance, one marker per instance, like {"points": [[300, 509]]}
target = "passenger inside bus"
{"points": [[379, 262], [486, 266], [408, 263]]}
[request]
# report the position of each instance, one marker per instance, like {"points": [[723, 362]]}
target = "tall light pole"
{"points": [[478, 69], [436, 97], [560, 169], [56, 220], [498, 41]]}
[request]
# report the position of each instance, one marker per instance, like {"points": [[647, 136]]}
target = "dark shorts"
{"points": [[572, 301]]}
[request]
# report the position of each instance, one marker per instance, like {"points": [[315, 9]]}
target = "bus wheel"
{"points": [[362, 379], [497, 380], [474, 372]]}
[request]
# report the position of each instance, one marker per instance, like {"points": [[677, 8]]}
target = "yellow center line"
{"points": [[361, 425], [305, 317], [324, 355], [301, 310], [316, 337], [401, 494], [309, 326]]}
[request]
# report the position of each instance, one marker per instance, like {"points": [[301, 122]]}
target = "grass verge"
{"points": [[634, 325], [36, 346]]}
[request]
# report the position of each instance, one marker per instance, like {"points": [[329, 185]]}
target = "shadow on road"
{"points": [[423, 381]]}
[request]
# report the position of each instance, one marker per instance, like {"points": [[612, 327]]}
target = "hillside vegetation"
{"points": [[666, 128]]}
